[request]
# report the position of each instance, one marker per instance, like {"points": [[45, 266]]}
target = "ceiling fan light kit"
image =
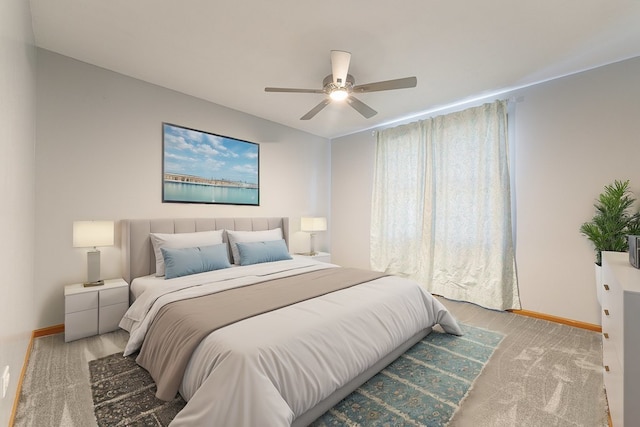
{"points": [[340, 85], [338, 89], [339, 95]]}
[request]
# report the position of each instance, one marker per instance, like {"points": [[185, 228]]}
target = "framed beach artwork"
{"points": [[202, 167]]}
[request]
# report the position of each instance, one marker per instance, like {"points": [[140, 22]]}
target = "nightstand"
{"points": [[319, 256], [94, 310]]}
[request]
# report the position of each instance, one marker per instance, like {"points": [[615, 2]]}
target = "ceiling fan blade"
{"points": [[361, 107], [291, 90], [315, 110], [340, 66], [406, 82]]}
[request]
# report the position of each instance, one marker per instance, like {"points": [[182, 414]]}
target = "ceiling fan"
{"points": [[340, 85]]}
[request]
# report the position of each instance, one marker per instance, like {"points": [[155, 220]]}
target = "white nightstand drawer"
{"points": [[319, 256], [114, 296], [322, 257], [80, 302], [80, 324], [110, 317], [94, 309]]}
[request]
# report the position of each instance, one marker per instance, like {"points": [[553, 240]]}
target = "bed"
{"points": [[287, 363]]}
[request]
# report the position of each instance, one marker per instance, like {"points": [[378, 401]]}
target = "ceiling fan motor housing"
{"points": [[329, 86]]}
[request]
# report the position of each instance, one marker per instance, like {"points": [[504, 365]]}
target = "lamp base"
{"points": [[307, 253], [96, 283]]}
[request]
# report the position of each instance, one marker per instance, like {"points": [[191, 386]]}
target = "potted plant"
{"points": [[611, 223]]}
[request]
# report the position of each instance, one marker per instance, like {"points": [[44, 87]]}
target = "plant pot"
{"points": [[599, 289]]}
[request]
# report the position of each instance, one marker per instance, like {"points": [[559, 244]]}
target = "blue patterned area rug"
{"points": [[423, 387]]}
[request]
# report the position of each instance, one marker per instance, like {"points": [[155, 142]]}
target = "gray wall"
{"points": [[99, 156], [17, 171], [573, 136]]}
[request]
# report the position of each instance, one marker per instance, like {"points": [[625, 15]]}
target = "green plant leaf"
{"points": [[612, 221]]}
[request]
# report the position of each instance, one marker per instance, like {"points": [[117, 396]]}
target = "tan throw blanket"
{"points": [[180, 326]]}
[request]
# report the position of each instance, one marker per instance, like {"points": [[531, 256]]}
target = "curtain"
{"points": [[441, 211]]}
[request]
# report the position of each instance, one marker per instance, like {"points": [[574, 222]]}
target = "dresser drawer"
{"points": [[613, 377], [611, 334], [114, 296], [80, 302]]}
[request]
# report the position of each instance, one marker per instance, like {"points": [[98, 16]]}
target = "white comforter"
{"points": [[268, 369]]}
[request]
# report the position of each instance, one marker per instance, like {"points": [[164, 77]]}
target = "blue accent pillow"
{"points": [[185, 261], [257, 252]]}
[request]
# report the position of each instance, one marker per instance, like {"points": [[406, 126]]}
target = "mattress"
{"points": [[141, 284]]}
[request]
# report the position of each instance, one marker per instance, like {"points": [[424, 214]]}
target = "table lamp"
{"points": [[91, 234], [311, 225]]}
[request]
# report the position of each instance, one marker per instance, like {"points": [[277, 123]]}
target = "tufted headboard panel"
{"points": [[137, 252]]}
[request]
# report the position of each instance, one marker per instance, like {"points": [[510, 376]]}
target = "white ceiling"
{"points": [[227, 52]]}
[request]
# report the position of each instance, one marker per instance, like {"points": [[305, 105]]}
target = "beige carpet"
{"points": [[55, 389], [542, 374]]}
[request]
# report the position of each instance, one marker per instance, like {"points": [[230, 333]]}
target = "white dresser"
{"points": [[94, 310], [621, 338]]}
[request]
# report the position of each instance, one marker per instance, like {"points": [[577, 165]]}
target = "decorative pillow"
{"points": [[185, 261], [250, 236], [181, 240], [257, 252]]}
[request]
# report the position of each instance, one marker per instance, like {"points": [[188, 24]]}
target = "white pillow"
{"points": [[181, 240], [250, 236]]}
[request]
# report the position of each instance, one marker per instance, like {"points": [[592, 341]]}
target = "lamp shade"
{"points": [[313, 224], [92, 233]]}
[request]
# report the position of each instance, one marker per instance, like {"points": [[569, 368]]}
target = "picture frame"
{"points": [[204, 167]]}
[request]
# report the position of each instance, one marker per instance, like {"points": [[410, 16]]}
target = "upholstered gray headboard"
{"points": [[137, 252]]}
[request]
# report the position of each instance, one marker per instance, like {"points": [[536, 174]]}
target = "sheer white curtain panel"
{"points": [[441, 211]]}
